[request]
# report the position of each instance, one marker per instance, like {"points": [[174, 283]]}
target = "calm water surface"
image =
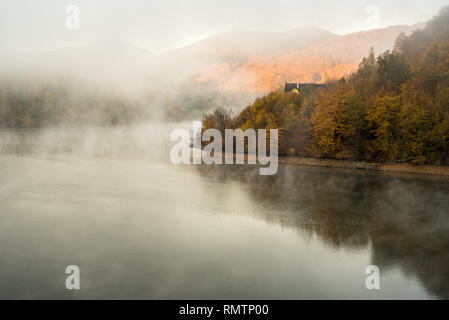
{"points": [[149, 230]]}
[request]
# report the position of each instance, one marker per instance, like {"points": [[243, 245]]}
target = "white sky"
{"points": [[158, 25]]}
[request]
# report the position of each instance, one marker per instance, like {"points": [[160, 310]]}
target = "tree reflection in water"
{"points": [[403, 219]]}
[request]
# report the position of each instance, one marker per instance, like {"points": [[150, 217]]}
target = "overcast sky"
{"points": [[158, 25]]}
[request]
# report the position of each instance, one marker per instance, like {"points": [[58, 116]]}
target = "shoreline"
{"points": [[434, 170], [388, 167]]}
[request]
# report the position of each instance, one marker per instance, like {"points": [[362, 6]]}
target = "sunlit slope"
{"points": [[327, 57]]}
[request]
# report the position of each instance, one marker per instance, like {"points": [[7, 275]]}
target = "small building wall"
{"points": [[289, 87]]}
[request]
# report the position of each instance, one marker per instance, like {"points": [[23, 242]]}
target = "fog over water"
{"points": [[139, 227]]}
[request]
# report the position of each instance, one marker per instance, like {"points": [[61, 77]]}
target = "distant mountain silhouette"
{"points": [[242, 61], [237, 45], [303, 55]]}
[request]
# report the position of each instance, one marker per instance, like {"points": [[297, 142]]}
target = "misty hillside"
{"points": [[229, 69], [314, 57], [241, 45], [240, 60]]}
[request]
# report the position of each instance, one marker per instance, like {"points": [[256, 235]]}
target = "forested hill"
{"points": [[394, 108]]}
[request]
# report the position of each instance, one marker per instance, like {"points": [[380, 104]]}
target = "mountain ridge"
{"points": [[239, 60], [321, 61]]}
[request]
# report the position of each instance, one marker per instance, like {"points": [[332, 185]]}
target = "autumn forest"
{"points": [[394, 108]]}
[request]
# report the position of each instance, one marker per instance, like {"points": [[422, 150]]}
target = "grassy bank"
{"points": [[360, 165]]}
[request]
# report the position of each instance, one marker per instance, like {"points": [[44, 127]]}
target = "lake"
{"points": [[141, 228]]}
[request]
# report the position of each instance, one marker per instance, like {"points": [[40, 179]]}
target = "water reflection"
{"points": [[405, 220], [150, 230]]}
